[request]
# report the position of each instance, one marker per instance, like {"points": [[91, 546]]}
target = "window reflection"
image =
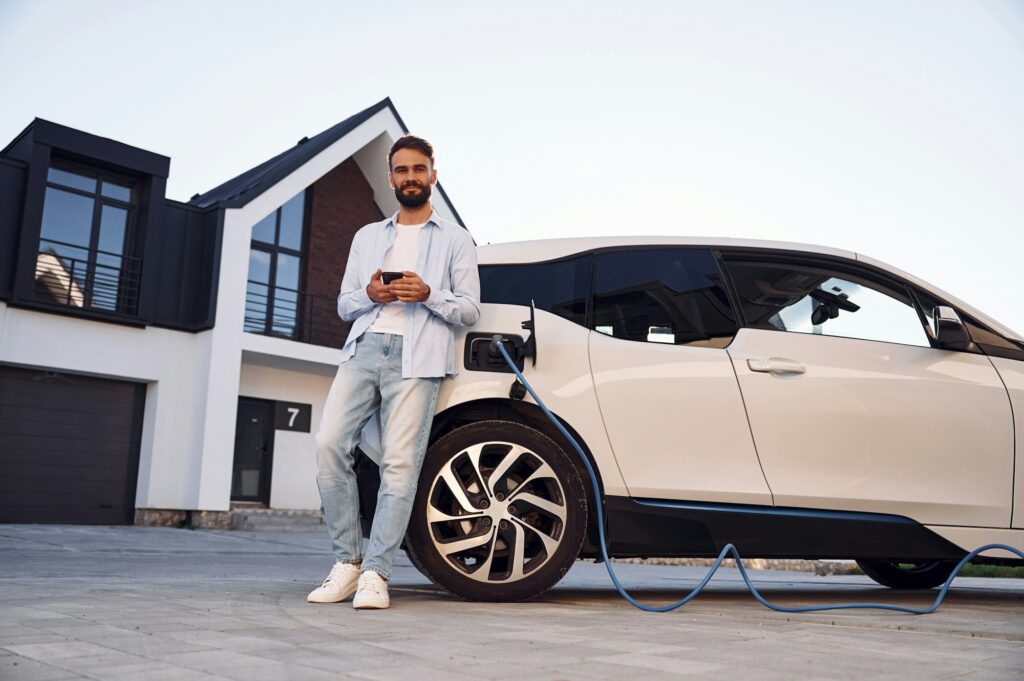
{"points": [[273, 299], [83, 258], [805, 299], [663, 295]]}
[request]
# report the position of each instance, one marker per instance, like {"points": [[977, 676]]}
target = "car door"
{"points": [[850, 405], [666, 388]]}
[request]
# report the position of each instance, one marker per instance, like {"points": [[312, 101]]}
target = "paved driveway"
{"points": [[154, 603]]}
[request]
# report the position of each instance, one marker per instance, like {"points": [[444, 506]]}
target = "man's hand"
{"points": [[410, 288], [378, 291]]}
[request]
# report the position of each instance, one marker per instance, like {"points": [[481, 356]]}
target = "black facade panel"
{"points": [[20, 148], [182, 259], [12, 198], [178, 244], [93, 148]]}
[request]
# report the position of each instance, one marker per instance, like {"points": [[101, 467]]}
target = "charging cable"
{"points": [[728, 549]]}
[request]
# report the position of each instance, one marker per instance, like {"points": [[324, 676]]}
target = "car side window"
{"points": [[560, 287], [818, 300], [662, 295]]}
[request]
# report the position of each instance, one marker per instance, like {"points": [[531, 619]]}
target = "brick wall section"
{"points": [[342, 202]]}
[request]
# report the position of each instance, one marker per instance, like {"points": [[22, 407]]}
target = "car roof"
{"points": [[540, 250], [551, 249]]}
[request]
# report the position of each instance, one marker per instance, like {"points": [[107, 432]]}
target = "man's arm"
{"points": [[353, 299], [461, 305]]}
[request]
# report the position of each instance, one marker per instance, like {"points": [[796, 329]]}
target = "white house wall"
{"points": [[167, 361], [225, 343], [194, 380], [293, 474]]}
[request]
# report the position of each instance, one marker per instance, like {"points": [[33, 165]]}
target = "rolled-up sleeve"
{"points": [[461, 305], [353, 299]]}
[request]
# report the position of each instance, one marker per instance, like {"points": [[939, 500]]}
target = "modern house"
{"points": [[160, 357]]}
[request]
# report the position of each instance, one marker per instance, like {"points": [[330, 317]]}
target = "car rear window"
{"points": [[559, 287]]}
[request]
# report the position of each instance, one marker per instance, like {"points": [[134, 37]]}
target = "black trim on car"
{"points": [[882, 277], [668, 528], [752, 253]]}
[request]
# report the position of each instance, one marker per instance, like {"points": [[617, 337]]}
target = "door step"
{"points": [[252, 519]]}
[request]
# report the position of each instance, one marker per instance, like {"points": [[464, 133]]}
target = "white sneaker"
{"points": [[372, 592], [338, 586]]}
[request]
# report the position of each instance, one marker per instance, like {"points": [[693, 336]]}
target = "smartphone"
{"points": [[388, 277]]}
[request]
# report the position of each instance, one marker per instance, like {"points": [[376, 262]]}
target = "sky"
{"points": [[894, 129]]}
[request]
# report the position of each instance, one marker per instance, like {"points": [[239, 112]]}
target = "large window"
{"points": [[559, 287], [85, 242], [662, 295], [274, 302], [804, 298]]}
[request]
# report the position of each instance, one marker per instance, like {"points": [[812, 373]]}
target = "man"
{"points": [[400, 348]]}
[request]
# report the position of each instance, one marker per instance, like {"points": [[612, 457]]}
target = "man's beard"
{"points": [[413, 200]]}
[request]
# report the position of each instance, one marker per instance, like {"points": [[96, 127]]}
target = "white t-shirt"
{"points": [[401, 258]]}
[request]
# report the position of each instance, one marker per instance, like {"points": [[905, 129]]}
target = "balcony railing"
{"points": [[296, 315], [88, 279]]}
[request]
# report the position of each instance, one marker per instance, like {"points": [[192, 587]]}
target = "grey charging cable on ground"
{"points": [[728, 549]]}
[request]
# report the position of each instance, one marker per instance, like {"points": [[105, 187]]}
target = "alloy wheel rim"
{"points": [[496, 512]]}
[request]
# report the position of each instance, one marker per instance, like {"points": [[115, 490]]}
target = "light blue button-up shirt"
{"points": [[446, 261]]}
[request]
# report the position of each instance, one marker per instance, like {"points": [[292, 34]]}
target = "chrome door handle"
{"points": [[776, 365]]}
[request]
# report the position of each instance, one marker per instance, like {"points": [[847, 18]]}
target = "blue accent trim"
{"points": [[776, 511]]}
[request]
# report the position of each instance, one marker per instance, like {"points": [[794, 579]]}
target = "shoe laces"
{"points": [[371, 581]]}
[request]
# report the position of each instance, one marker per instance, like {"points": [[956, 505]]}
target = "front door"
{"points": [[254, 447], [853, 409]]}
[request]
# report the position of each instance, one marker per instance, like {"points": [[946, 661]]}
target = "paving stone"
{"points": [[150, 671], [211, 660], [416, 671], [17, 668], [284, 672], [176, 604], [56, 651]]}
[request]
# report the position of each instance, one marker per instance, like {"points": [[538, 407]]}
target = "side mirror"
{"points": [[950, 331]]}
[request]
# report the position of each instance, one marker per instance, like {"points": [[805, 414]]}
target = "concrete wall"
{"points": [[224, 346], [194, 379], [167, 361], [293, 476]]}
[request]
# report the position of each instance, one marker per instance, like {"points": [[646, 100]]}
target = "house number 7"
{"points": [[291, 419]]}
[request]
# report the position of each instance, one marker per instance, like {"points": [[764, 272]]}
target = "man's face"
{"points": [[411, 176]]}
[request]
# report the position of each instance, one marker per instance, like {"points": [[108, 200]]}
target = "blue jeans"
{"points": [[370, 380]]}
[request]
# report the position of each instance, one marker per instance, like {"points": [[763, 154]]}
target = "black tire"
{"points": [[907, 575], [526, 515]]}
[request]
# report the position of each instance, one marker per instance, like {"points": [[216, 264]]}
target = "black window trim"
{"points": [[592, 253], [581, 256], [132, 244], [100, 174], [858, 268], [302, 254], [711, 250]]}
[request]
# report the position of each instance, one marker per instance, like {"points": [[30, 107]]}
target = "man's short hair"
{"points": [[412, 142]]}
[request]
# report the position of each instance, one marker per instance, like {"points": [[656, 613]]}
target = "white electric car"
{"points": [[796, 401]]}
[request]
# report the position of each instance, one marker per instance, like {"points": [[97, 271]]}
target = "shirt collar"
{"points": [[434, 219]]}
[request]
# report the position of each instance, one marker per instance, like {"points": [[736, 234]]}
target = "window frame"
{"points": [[273, 249], [861, 270], [579, 255], [130, 248], [711, 250]]}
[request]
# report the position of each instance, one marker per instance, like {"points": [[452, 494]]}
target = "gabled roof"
{"points": [[242, 189]]}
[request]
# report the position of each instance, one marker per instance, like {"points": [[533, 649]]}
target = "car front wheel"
{"points": [[500, 512]]}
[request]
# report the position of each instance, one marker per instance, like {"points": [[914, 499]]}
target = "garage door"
{"points": [[69, 447]]}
